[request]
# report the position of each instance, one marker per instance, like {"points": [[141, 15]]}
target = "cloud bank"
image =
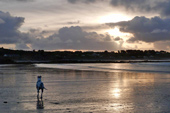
{"points": [[84, 1], [76, 39], [142, 6], [154, 30], [162, 7], [145, 29], [9, 26], [67, 37]]}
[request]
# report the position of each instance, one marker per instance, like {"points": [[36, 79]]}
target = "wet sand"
{"points": [[82, 91]]}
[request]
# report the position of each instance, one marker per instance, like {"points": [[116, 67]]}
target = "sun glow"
{"points": [[114, 32], [117, 33], [113, 18]]}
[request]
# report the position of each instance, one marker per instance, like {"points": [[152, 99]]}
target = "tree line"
{"points": [[78, 56]]}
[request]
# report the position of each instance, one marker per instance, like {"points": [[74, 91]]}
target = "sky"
{"points": [[86, 25]]}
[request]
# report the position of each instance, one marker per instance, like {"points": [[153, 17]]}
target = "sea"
{"points": [[150, 67]]}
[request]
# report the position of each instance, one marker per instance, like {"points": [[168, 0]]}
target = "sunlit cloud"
{"points": [[112, 24], [145, 29], [76, 39], [116, 32]]}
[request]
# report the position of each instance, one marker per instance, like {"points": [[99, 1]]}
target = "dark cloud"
{"points": [[132, 4], [158, 6], [145, 29], [17, 0], [77, 39], [162, 7], [24, 0], [118, 39], [95, 27], [76, 22], [9, 26], [72, 1], [83, 1]]}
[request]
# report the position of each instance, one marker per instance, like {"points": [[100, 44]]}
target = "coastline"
{"points": [[7, 61], [92, 61]]}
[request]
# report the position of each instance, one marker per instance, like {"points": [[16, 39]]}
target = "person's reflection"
{"points": [[40, 104]]}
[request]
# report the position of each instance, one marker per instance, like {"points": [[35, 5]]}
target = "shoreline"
{"points": [[88, 61]]}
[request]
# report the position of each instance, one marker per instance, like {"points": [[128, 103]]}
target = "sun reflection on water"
{"points": [[116, 92]]}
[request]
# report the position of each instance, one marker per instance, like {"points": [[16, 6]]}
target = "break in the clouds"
{"points": [[145, 29]]}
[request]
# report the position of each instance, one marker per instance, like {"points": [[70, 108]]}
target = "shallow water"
{"points": [[160, 67], [85, 90]]}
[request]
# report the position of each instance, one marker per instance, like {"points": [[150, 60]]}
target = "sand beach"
{"points": [[82, 91]]}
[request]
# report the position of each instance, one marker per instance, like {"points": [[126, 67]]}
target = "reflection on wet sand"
{"points": [[83, 91], [133, 90], [116, 92]]}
